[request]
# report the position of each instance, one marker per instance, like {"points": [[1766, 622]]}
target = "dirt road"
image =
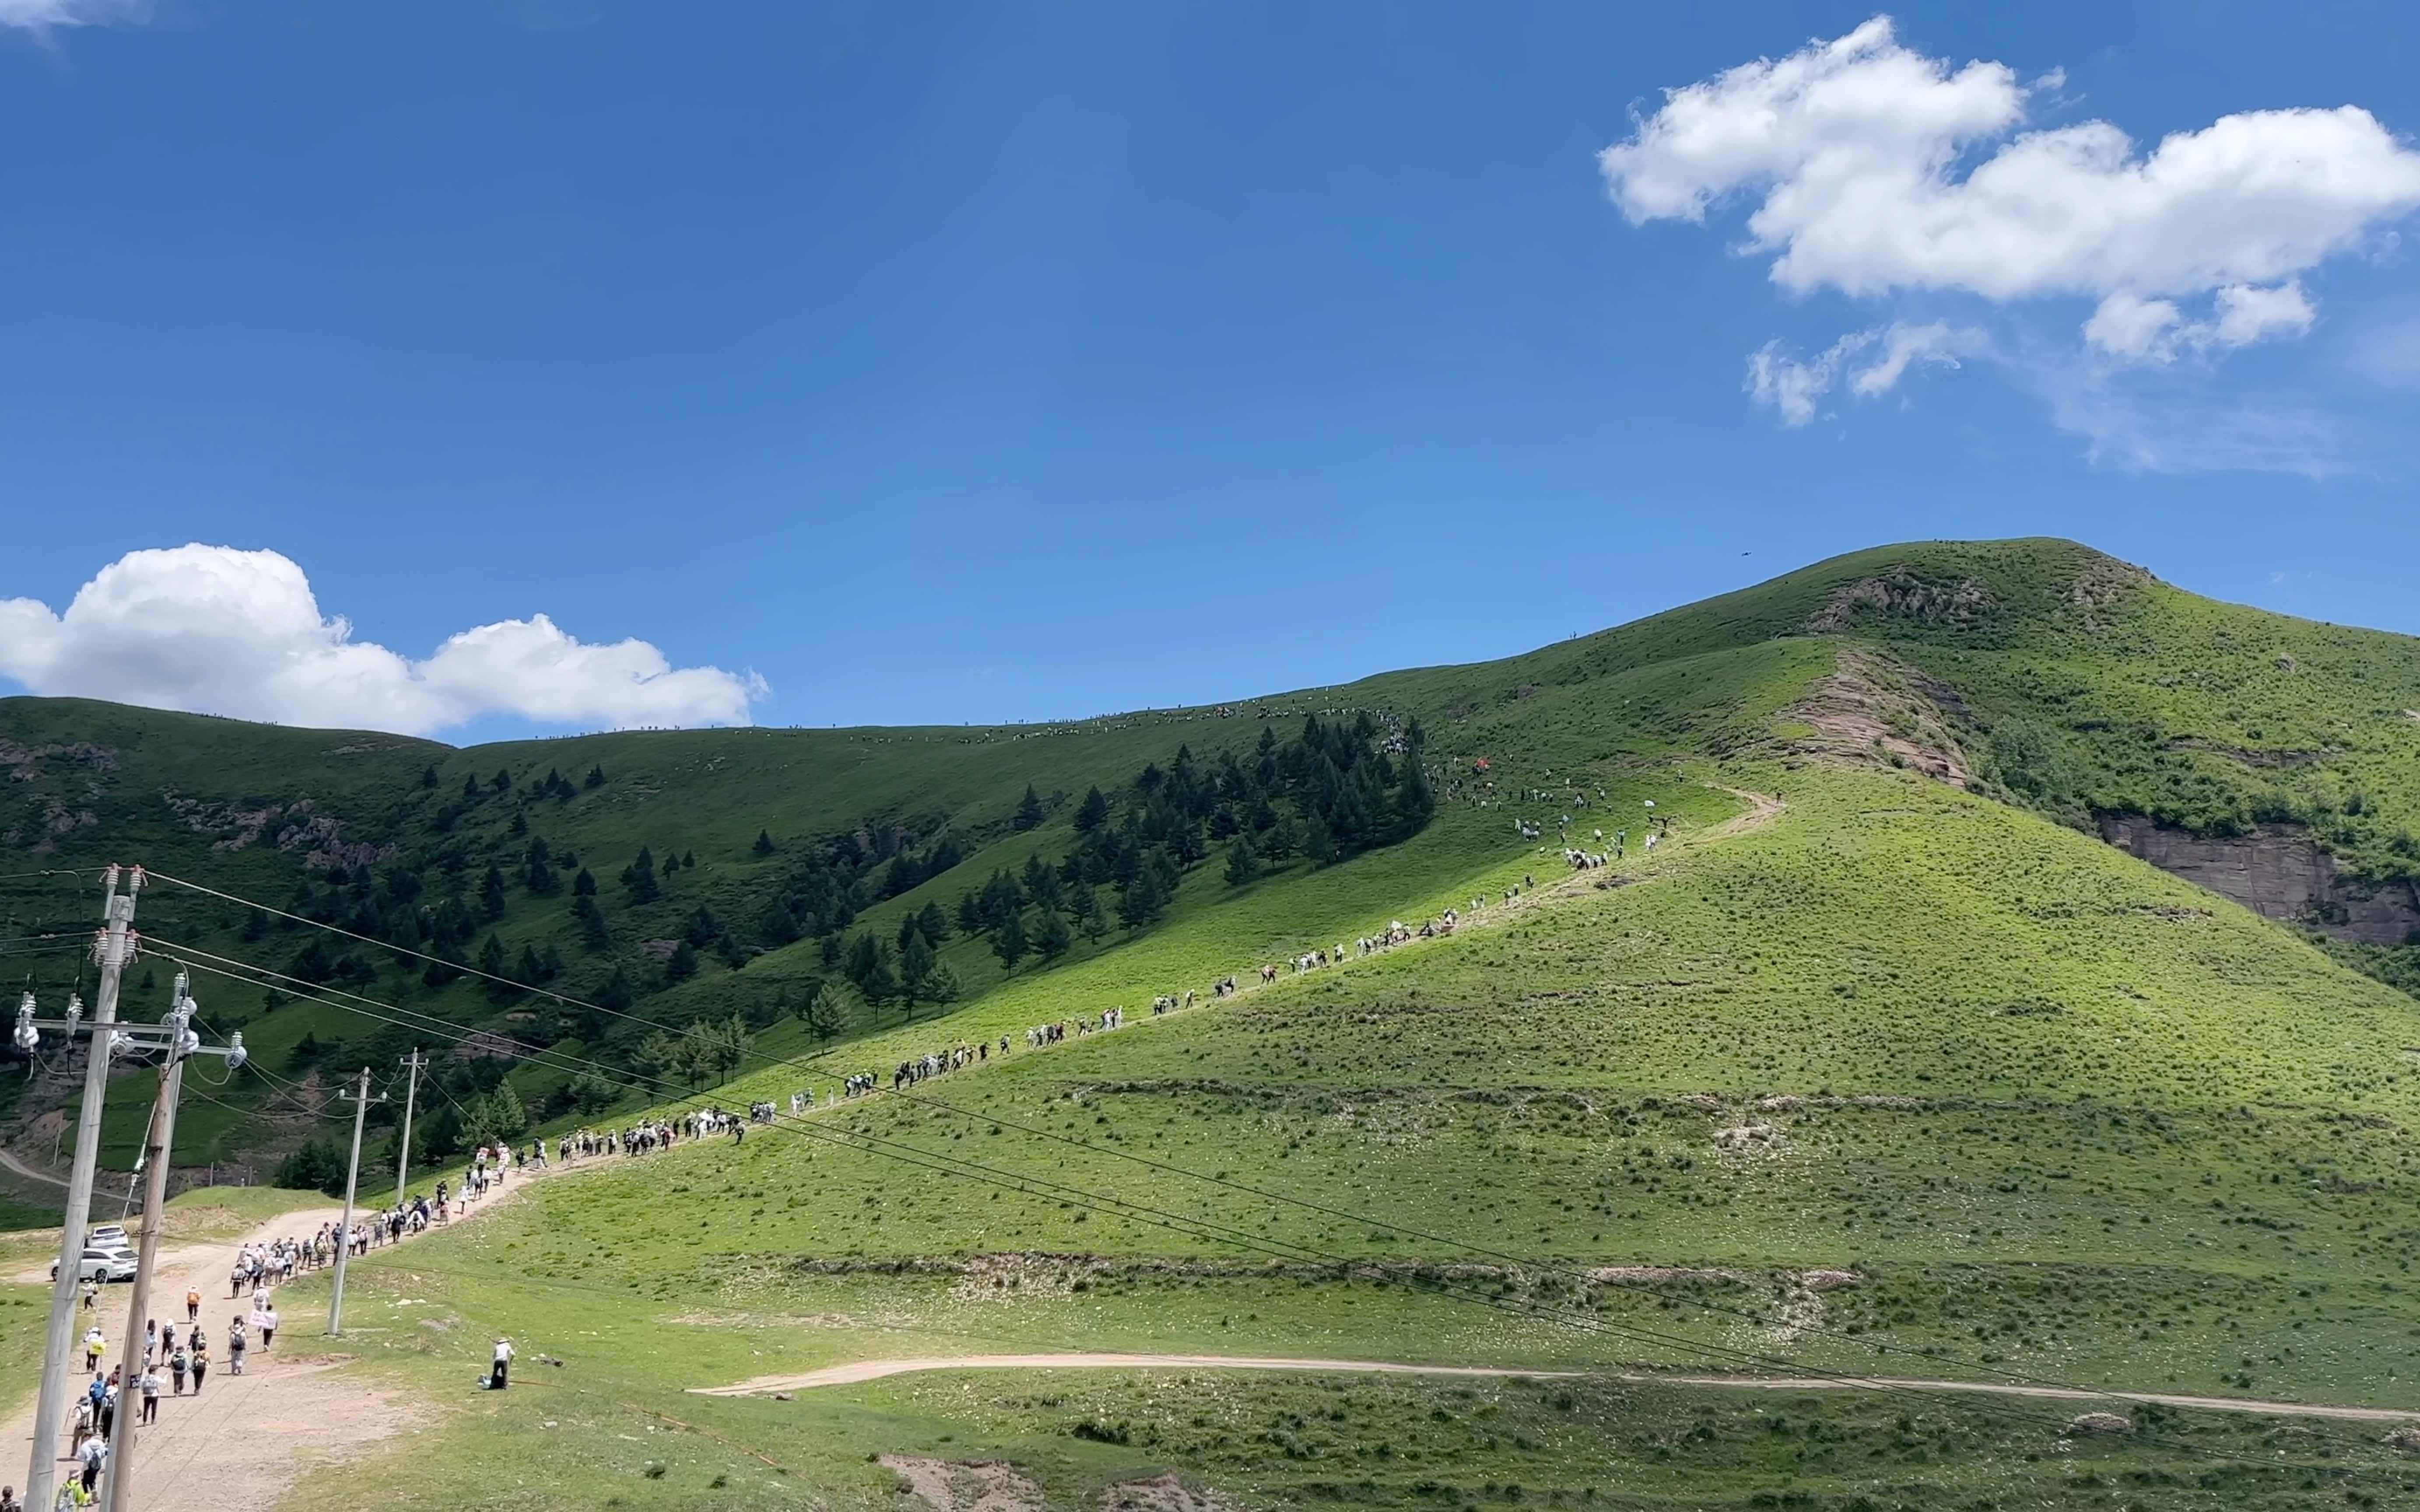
{"points": [[862, 1370], [240, 1445], [857, 1370]]}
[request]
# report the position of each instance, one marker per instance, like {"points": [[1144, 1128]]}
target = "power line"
{"points": [[534, 1054], [530, 1052], [1202, 1228], [467, 971], [802, 1063], [51, 871]]}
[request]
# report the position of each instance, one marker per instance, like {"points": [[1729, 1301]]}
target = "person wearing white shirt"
{"points": [[504, 1365]]}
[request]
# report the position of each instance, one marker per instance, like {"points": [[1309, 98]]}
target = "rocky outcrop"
{"points": [[1904, 596], [1875, 708], [2277, 871]]}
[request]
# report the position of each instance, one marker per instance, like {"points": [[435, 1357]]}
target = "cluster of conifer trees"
{"points": [[1334, 791]]}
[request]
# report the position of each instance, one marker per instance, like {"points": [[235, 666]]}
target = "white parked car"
{"points": [[102, 1262]]}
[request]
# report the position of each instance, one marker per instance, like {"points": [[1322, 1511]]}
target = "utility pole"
{"points": [[172, 1040], [50, 1410], [156, 1146], [403, 1146], [362, 1101]]}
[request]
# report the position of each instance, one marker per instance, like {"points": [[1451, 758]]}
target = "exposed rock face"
{"points": [[2277, 871], [1902, 595], [1875, 708]]}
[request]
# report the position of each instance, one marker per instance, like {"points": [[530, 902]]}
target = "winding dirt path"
{"points": [[862, 1370], [244, 1441]]}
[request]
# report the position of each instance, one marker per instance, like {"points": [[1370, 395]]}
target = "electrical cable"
{"points": [[1201, 1228], [533, 1054], [802, 1063]]}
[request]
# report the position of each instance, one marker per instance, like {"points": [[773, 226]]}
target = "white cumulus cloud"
{"points": [[217, 630], [2131, 328], [1873, 170]]}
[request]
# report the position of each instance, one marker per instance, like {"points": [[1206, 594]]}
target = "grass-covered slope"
{"points": [[1864, 1069], [2051, 1112], [2035, 671]]}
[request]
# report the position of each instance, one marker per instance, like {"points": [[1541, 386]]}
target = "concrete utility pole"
{"points": [[362, 1101], [172, 1039], [403, 1146], [50, 1409], [156, 1146]]}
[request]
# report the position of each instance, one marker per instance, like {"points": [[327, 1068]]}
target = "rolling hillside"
{"points": [[1890, 1058]]}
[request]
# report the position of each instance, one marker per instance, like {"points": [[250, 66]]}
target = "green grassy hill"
{"points": [[1884, 1061]]}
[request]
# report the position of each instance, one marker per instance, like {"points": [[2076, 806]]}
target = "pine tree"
{"points": [[1029, 811], [595, 778], [683, 964], [1317, 841], [471, 789], [1051, 937], [592, 1094], [505, 1115], [1164, 871], [1089, 921], [640, 878], [1002, 898], [781, 926], [530, 966], [916, 963], [429, 776], [868, 965], [617, 995], [1142, 899], [491, 894], [591, 919], [1008, 940], [934, 924], [584, 884], [1243, 863], [501, 782], [491, 957], [1093, 812], [819, 1012], [764, 845]]}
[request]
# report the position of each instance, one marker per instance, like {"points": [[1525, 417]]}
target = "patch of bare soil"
{"points": [[1874, 709], [1162, 1493], [1655, 1275], [972, 1485]]}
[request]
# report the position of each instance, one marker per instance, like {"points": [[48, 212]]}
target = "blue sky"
{"points": [[936, 363]]}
